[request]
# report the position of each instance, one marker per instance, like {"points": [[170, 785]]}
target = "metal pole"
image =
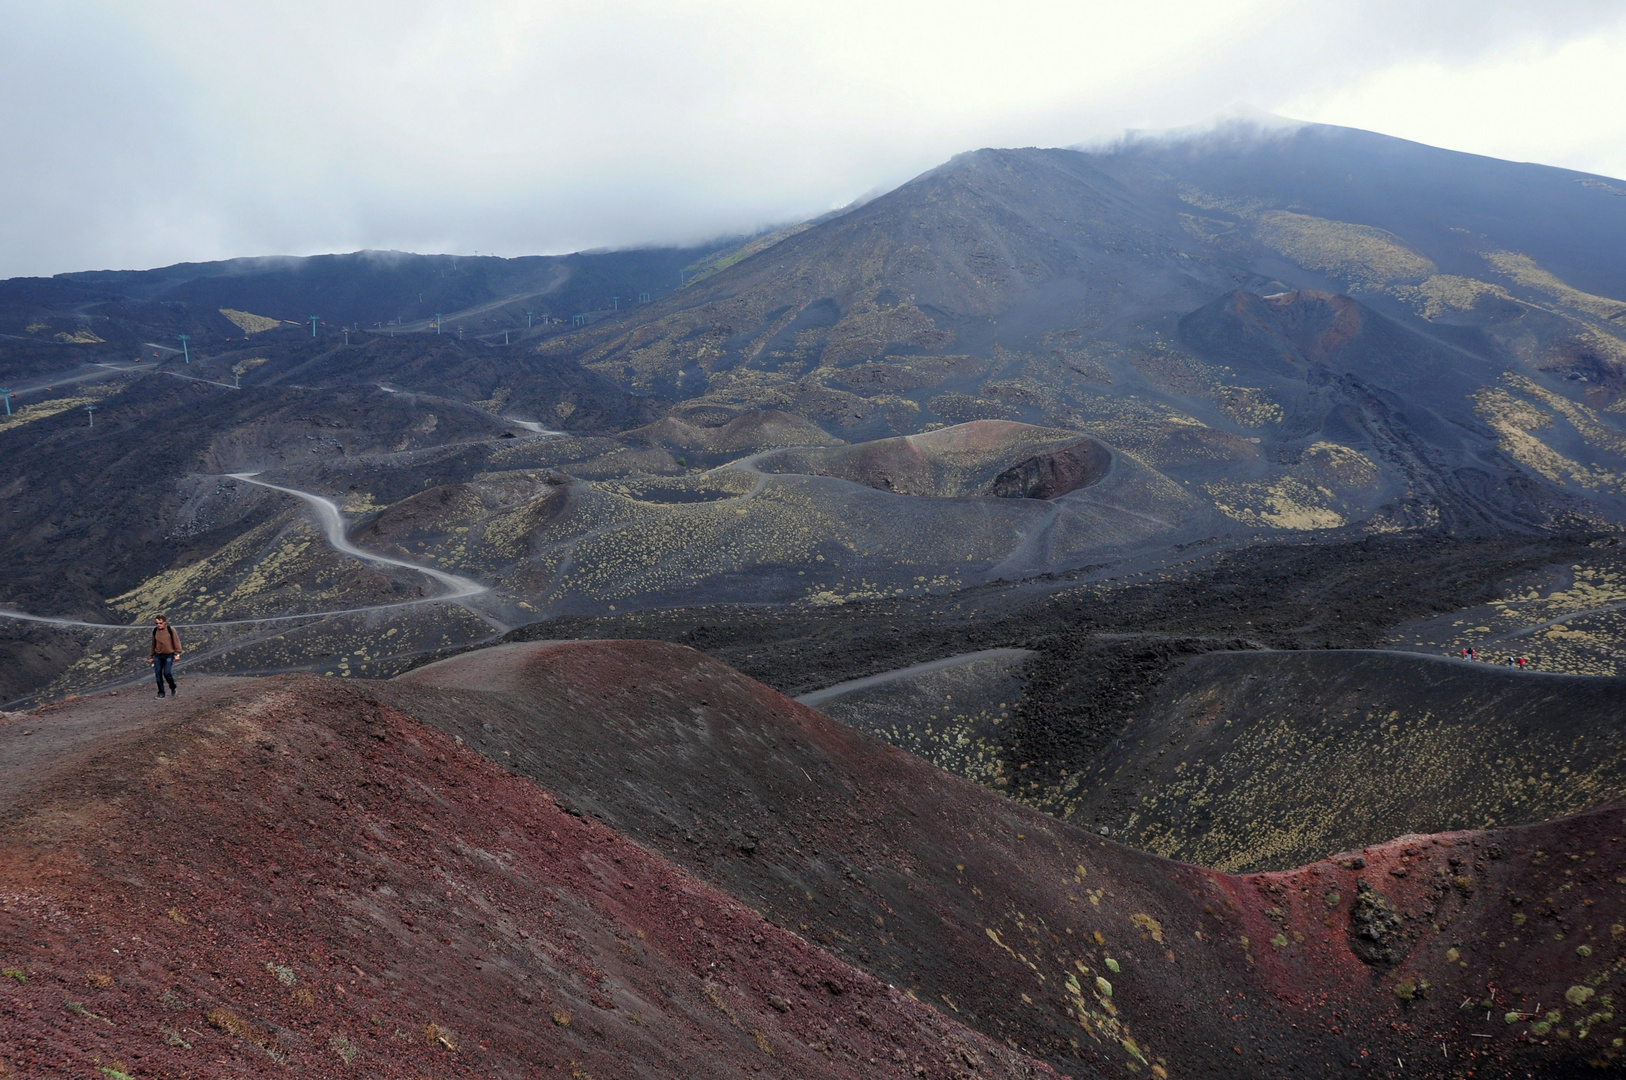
{"points": [[437, 324], [527, 320], [91, 410], [313, 325], [185, 352], [7, 395]]}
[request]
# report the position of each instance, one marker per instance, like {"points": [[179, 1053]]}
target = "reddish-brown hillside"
{"points": [[1494, 953], [284, 876]]}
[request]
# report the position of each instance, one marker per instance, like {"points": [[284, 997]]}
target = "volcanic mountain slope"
{"points": [[475, 377], [985, 457], [1568, 618], [109, 506], [1373, 416], [747, 433], [1448, 207], [1089, 955], [286, 875], [1253, 363], [828, 526], [1266, 760], [1263, 760], [237, 297], [949, 711], [1104, 644], [1049, 286]]}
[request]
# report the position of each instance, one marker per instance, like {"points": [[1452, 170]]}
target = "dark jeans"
{"points": [[163, 667]]}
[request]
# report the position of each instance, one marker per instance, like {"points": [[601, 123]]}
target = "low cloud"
{"points": [[141, 134]]}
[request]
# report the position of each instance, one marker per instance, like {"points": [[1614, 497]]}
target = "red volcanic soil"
{"points": [[286, 875], [1000, 457], [1490, 954], [1317, 324]]}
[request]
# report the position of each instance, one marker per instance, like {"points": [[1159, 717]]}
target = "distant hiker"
{"points": [[1465, 652], [166, 646], [1471, 654], [1521, 663]]}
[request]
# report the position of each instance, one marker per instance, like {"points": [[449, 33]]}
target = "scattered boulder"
{"points": [[1375, 934]]}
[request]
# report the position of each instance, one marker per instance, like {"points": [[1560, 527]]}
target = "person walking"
{"points": [[166, 648]]}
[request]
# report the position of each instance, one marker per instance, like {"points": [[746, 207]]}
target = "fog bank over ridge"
{"points": [[156, 134]]}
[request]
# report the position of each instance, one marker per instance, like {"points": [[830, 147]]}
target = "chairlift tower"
{"points": [[615, 303], [527, 320], [578, 320], [5, 392], [185, 352], [643, 298], [90, 410], [437, 324]]}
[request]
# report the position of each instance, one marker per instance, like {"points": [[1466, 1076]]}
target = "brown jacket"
{"points": [[171, 641]]}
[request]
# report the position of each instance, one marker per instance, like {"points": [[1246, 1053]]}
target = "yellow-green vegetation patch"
{"points": [[1209, 230], [1341, 465], [1230, 204], [499, 401], [949, 716], [1588, 423], [716, 264], [1161, 436], [693, 488], [1171, 368], [1366, 257], [1287, 759], [1575, 628], [360, 502], [250, 323], [1524, 270], [43, 410], [81, 336], [1289, 503], [902, 374], [1516, 421], [1249, 406], [620, 548], [251, 562], [243, 367], [962, 408], [1443, 294]]}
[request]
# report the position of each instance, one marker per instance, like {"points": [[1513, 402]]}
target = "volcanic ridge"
{"points": [[621, 858]]}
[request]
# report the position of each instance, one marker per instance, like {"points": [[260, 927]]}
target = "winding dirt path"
{"points": [[331, 519], [851, 685]]}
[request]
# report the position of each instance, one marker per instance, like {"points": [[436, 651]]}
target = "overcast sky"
{"points": [[137, 134]]}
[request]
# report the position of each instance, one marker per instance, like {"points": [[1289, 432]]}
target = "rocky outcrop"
{"points": [[1055, 472]]}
